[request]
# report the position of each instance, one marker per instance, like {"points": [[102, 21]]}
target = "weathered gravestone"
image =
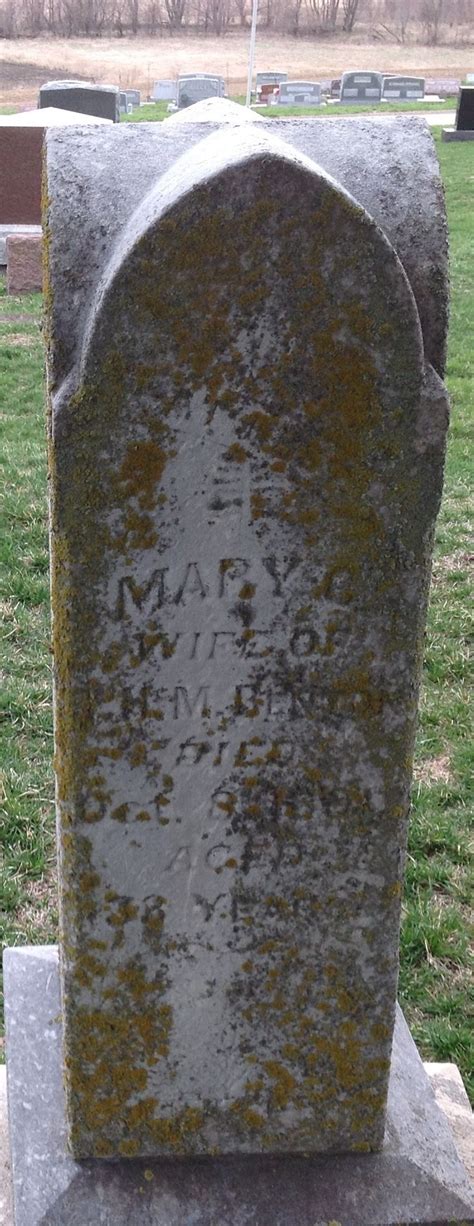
{"points": [[246, 464]]}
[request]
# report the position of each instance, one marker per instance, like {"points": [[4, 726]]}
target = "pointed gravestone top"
{"points": [[246, 465]]}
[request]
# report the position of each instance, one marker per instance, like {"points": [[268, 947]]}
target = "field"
{"points": [[437, 971], [136, 62]]}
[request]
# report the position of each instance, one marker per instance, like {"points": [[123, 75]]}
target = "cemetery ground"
{"points": [[437, 972], [138, 62]]}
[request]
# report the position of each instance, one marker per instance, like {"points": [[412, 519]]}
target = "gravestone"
{"points": [[402, 88], [361, 87], [195, 86], [134, 96], [266, 84], [99, 100], [21, 161], [247, 442], [164, 91], [299, 93], [464, 129]]}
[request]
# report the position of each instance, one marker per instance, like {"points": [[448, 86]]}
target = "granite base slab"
{"points": [[416, 1180], [7, 230], [453, 134]]}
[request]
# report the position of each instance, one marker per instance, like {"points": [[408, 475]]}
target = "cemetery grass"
{"points": [[159, 110], [436, 971]]}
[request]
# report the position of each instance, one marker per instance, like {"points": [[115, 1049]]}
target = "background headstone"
{"points": [[20, 174], [164, 91], [133, 96], [21, 144], [465, 109], [99, 100], [194, 87], [394, 88], [464, 129], [267, 83], [299, 93], [361, 87]]}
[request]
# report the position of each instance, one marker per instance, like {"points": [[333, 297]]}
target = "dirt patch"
{"points": [[18, 340], [21, 80], [38, 912], [451, 563], [17, 319], [140, 61], [433, 770]]}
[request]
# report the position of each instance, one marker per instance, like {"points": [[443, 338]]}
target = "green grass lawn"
{"points": [[436, 970], [159, 110]]}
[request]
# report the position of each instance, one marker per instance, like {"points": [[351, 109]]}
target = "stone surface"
{"points": [[451, 1097], [246, 467], [6, 1197], [211, 110], [88, 99], [49, 117], [5, 231], [416, 1180], [413, 219], [449, 134], [361, 86], [24, 264]]}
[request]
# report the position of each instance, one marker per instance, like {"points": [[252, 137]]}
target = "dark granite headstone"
{"points": [[464, 130], [361, 87], [465, 109], [100, 100]]}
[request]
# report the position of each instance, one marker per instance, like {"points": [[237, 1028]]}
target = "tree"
{"points": [[349, 9], [431, 15]]}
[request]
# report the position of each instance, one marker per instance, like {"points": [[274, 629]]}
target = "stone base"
{"points": [[417, 1179], [24, 264], [453, 134], [6, 231]]}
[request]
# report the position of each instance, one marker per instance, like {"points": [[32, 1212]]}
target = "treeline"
{"points": [[400, 20]]}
